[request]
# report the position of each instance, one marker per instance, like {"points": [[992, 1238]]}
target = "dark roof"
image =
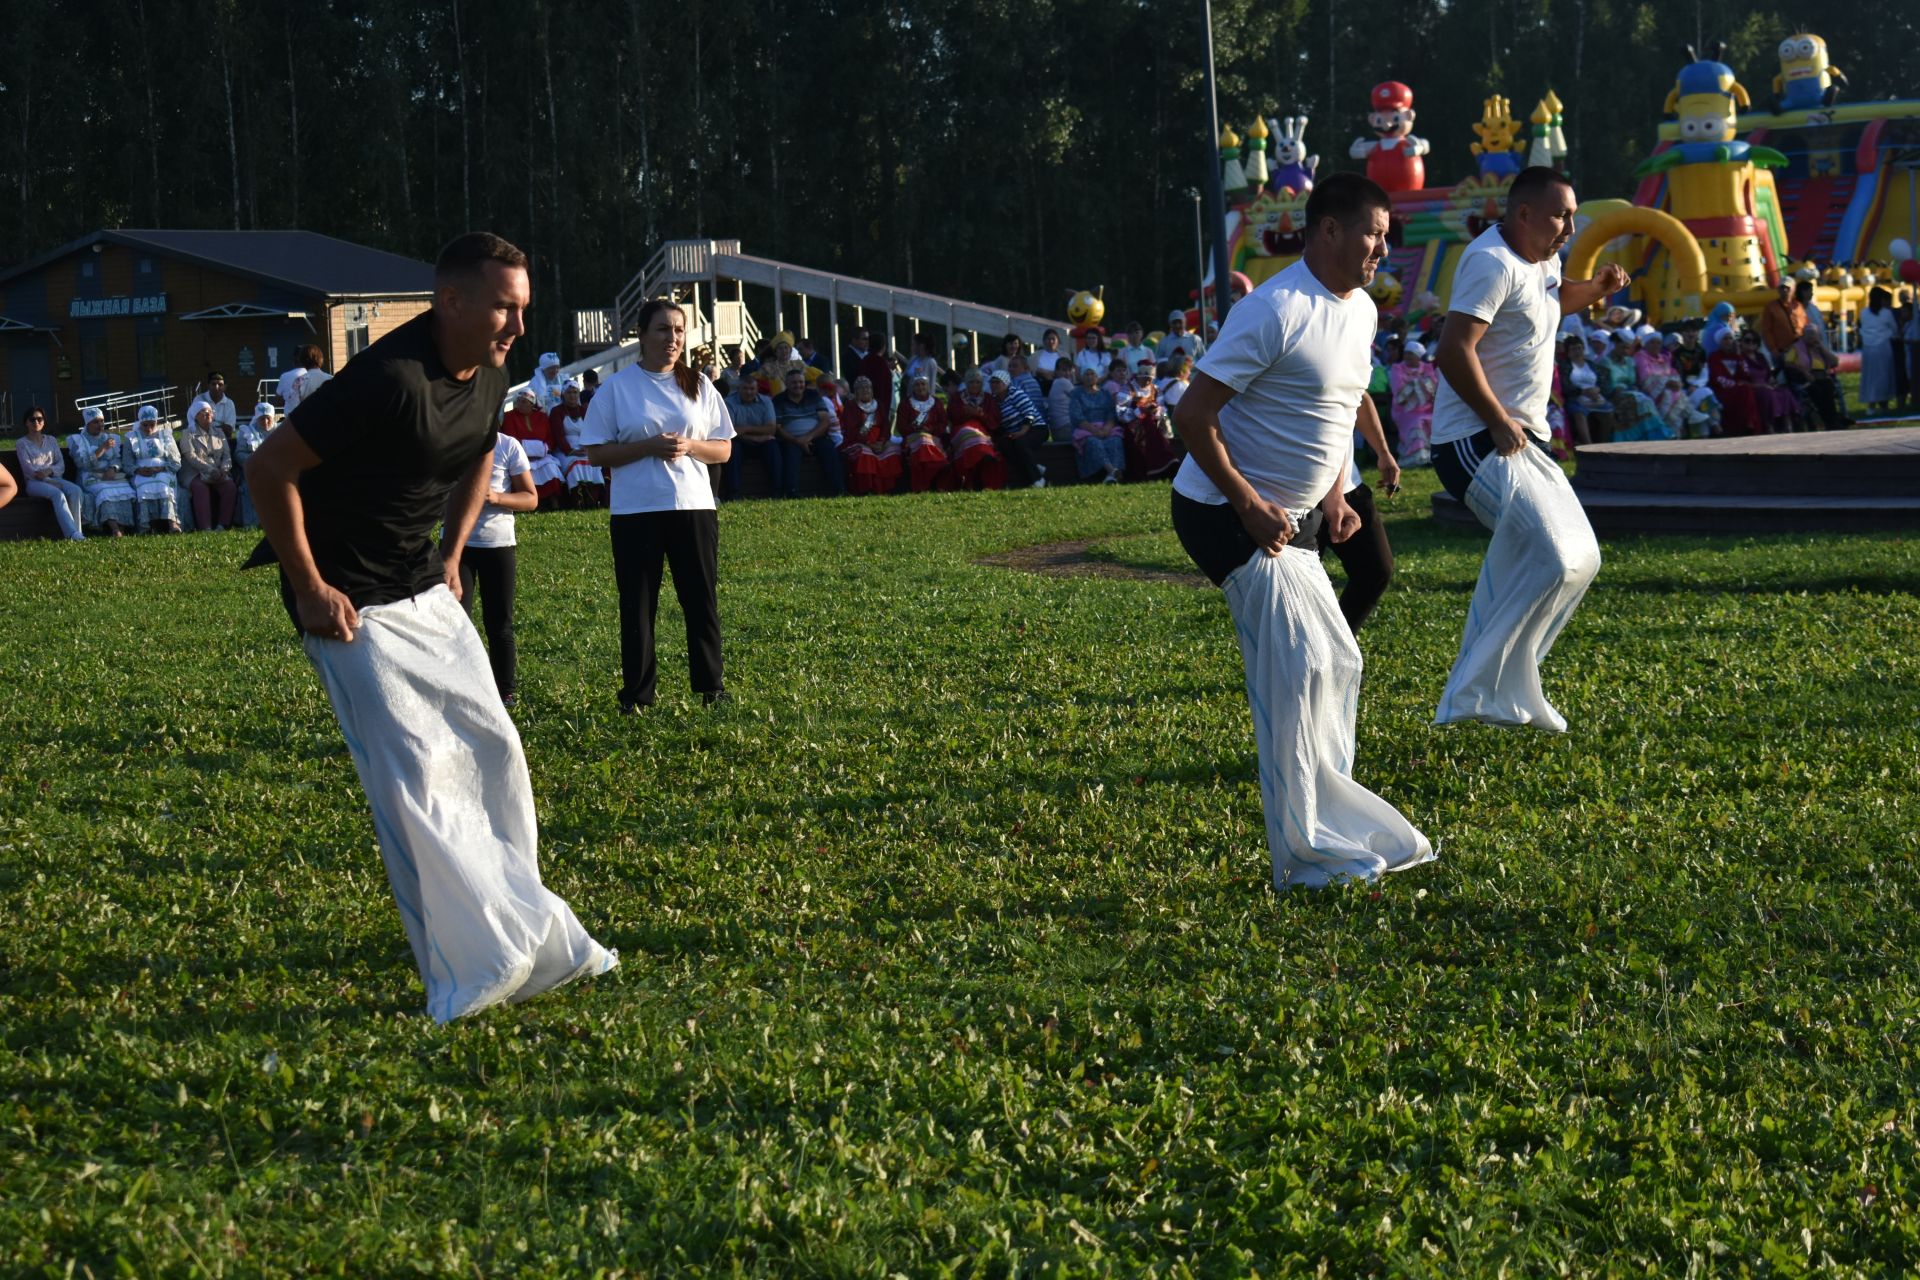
{"points": [[305, 261]]}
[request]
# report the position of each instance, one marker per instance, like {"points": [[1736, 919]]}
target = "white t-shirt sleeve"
{"points": [[514, 462], [1248, 349], [719, 421], [599, 426], [1481, 287]]}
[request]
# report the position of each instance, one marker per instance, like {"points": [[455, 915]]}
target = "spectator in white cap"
{"points": [[249, 437], [153, 456], [44, 472], [546, 381], [100, 458], [1178, 341], [1414, 383]]}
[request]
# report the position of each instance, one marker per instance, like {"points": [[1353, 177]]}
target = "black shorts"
{"points": [[1217, 542], [1457, 462]]}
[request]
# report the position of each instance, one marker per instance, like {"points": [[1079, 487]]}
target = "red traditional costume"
{"points": [[872, 455], [1748, 403], [922, 427], [971, 420], [545, 447], [1143, 425]]}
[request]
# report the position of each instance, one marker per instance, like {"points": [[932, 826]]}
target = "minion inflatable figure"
{"points": [[1707, 99], [1807, 81]]}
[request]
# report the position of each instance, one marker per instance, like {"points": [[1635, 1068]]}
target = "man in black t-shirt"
{"points": [[349, 493]]}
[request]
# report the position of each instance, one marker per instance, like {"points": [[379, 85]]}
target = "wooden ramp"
{"points": [[1813, 481]]}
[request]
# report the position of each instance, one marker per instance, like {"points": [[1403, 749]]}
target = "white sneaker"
{"points": [[1041, 483]]}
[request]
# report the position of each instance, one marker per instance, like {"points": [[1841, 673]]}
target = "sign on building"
{"points": [[148, 304]]}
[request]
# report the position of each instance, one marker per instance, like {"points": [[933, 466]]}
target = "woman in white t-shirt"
{"points": [[656, 427], [488, 560]]}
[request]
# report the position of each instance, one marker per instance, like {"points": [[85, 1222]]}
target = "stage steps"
{"points": [[1840, 481]]}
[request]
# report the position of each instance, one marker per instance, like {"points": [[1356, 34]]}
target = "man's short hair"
{"points": [[1346, 198], [1532, 184], [465, 257]]}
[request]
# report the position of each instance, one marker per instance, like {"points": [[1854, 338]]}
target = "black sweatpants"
{"points": [[688, 544], [493, 570], [1218, 544], [1366, 557]]}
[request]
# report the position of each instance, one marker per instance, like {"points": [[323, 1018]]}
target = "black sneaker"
{"points": [[633, 708], [716, 698]]}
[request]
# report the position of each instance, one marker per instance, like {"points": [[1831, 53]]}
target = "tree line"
{"points": [[1004, 151]]}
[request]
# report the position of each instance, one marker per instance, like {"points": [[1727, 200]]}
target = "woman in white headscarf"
{"points": [[153, 456], [249, 437], [547, 382]]}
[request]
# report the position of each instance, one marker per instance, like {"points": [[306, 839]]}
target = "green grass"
{"points": [[949, 949]]}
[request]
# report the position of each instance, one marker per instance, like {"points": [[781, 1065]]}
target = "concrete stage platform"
{"points": [[1813, 481]]}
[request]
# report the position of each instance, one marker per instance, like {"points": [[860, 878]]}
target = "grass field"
{"points": [[949, 947]]}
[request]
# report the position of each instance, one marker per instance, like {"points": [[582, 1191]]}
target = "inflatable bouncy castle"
{"points": [[1740, 189]]}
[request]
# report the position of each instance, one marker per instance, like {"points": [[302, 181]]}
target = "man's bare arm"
{"points": [[273, 482], [1458, 360]]}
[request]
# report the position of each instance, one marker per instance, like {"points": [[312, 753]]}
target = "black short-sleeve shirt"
{"points": [[394, 432]]}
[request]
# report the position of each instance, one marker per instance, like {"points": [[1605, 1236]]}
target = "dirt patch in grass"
{"points": [[1070, 560]]}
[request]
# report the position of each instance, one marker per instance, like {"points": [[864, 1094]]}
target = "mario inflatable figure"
{"points": [[1393, 158]]}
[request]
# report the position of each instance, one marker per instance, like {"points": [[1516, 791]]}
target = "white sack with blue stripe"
{"points": [[442, 766], [1542, 558], [1303, 683]]}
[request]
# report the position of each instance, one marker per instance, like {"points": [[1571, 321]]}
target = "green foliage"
{"points": [[949, 948]]}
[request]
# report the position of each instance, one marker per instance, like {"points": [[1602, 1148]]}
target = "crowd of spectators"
{"points": [[911, 425]]}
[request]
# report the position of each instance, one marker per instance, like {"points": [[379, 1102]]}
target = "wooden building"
{"points": [[128, 311]]}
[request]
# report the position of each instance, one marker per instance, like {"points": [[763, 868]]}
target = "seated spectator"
{"points": [[1019, 375], [245, 440], [1634, 418], [44, 473], [754, 428], [545, 385], [1146, 431], [1174, 385], [1616, 369], [589, 383], [1096, 431], [1059, 402], [1750, 405], [830, 396], [1119, 374], [806, 424], [867, 445], [1808, 366], [809, 355], [1049, 353], [921, 425], [100, 460], [153, 458], [1018, 426], [975, 462], [206, 468], [529, 424], [1659, 381], [779, 363], [1589, 416], [1178, 341], [225, 413], [586, 483]]}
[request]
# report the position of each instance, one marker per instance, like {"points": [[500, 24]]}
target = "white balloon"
{"points": [[1901, 250]]}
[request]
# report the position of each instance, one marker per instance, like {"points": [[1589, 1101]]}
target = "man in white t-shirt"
{"points": [[1496, 364], [1268, 420]]}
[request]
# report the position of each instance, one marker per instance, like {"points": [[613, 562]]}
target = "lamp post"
{"points": [[1200, 261], [1216, 193]]}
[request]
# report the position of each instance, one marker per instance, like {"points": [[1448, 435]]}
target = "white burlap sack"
{"points": [[1540, 562], [441, 763], [1303, 683]]}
